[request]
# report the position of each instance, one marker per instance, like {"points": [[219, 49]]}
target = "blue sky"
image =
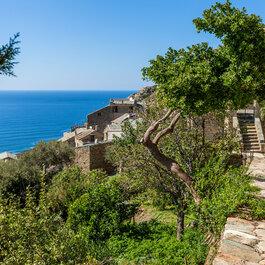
{"points": [[99, 44]]}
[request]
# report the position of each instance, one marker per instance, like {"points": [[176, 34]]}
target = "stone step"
{"points": [[252, 149], [242, 119], [247, 128], [249, 134], [250, 140], [247, 125], [245, 140], [251, 144]]}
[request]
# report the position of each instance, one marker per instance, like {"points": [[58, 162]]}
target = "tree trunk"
{"points": [[169, 163], [180, 222], [173, 166]]}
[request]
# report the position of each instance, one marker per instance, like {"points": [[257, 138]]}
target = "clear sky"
{"points": [[98, 44]]}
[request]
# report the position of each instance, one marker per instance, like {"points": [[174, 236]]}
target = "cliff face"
{"points": [[144, 93]]}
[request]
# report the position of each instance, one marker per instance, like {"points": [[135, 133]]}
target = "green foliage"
{"points": [[201, 79], [127, 137], [96, 176], [66, 187], [8, 53], [16, 175], [224, 191], [52, 153], [155, 243], [257, 208], [100, 211], [34, 235]]}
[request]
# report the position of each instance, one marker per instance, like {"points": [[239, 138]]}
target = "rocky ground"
{"points": [[243, 242]]}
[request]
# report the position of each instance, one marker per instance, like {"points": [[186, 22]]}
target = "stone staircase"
{"points": [[249, 132]]}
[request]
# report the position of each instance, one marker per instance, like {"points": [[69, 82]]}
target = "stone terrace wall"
{"points": [[243, 242], [91, 156], [213, 128]]}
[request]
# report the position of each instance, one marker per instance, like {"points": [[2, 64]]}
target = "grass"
{"points": [[168, 215]]}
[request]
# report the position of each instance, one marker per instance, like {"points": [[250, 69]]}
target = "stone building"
{"points": [[92, 156], [6, 156], [70, 136], [81, 136], [88, 136], [115, 128], [115, 109]]}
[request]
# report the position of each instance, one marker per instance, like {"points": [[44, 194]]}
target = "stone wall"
{"points": [[213, 127], [92, 156], [106, 115], [243, 242]]}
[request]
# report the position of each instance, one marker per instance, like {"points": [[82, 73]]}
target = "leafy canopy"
{"points": [[200, 79]]}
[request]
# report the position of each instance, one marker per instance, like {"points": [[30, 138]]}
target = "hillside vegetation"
{"points": [[173, 187]]}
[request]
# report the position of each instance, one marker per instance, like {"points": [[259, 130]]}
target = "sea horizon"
{"points": [[29, 116]]}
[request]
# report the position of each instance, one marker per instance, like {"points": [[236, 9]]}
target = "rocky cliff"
{"points": [[144, 93]]}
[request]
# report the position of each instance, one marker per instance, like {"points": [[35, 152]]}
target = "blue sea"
{"points": [[26, 117]]}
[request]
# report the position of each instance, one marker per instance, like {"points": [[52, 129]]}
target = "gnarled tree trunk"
{"points": [[168, 162]]}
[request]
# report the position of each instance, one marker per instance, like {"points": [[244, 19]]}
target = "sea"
{"points": [[27, 117]]}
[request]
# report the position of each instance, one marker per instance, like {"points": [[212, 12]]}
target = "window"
{"points": [[115, 109], [99, 113]]}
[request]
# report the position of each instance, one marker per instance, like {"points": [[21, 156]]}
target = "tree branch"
{"points": [[167, 130], [169, 163], [154, 126]]}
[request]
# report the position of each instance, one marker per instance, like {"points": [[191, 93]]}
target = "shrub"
{"points": [[224, 191], [16, 175], [34, 235], [100, 211], [69, 185], [66, 187]]}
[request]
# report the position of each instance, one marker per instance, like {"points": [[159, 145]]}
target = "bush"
{"points": [[16, 175], [34, 235], [66, 187], [224, 191], [69, 185], [100, 211]]}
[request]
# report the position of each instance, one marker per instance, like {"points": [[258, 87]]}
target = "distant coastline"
{"points": [[26, 117]]}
